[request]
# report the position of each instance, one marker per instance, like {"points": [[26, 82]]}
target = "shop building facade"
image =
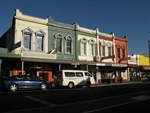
{"points": [[44, 46]]}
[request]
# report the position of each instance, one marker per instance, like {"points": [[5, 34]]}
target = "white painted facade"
{"points": [[134, 59], [87, 56]]}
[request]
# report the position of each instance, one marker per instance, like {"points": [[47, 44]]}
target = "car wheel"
{"points": [[70, 85], [13, 87], [43, 86], [88, 84]]}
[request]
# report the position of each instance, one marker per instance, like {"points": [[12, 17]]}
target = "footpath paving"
{"points": [[117, 83]]}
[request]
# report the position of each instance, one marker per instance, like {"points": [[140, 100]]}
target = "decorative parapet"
{"points": [[19, 15]]}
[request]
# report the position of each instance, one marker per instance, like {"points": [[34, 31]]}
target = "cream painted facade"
{"points": [[35, 24]]}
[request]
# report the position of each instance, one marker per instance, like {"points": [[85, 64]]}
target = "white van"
{"points": [[72, 78]]}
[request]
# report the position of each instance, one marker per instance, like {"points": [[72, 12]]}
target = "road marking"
{"points": [[140, 98], [136, 99], [41, 101]]}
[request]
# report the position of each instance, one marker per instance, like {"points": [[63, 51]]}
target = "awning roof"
{"points": [[146, 67], [9, 55]]}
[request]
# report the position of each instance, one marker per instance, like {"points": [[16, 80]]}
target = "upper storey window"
{"points": [[109, 45], [123, 52], [83, 46], [118, 50], [91, 47], [27, 39], [68, 44], [40, 36], [58, 41], [103, 48]]}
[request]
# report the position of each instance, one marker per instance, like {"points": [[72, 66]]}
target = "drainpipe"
{"points": [[113, 37], [22, 67], [97, 41]]}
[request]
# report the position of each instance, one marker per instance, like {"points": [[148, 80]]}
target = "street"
{"points": [[119, 98]]}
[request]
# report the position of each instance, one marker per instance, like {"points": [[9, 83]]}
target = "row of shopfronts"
{"points": [[40, 47], [102, 72]]}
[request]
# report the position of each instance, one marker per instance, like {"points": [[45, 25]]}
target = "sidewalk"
{"points": [[117, 83]]}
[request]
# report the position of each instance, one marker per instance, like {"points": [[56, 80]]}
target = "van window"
{"points": [[79, 74], [88, 74], [58, 74], [69, 74]]}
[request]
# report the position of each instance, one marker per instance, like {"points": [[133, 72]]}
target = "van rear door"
{"points": [[58, 78]]}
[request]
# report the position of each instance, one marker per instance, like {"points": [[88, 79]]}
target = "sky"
{"points": [[129, 18]]}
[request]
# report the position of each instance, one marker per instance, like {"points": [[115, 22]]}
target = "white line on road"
{"points": [[96, 110], [41, 101], [137, 98]]}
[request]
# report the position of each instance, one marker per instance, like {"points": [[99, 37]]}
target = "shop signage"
{"points": [[119, 65], [38, 55]]}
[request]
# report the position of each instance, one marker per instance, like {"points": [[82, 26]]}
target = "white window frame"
{"points": [[68, 38], [83, 46], [40, 46], [27, 32]]}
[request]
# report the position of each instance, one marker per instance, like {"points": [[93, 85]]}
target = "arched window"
{"points": [[27, 39], [123, 52], [39, 39], [118, 50], [68, 44], [83, 46], [103, 48], [109, 47], [91, 47], [58, 42]]}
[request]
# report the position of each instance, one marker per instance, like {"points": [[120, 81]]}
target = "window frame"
{"points": [[70, 47], [27, 32], [40, 34], [83, 46], [58, 37]]}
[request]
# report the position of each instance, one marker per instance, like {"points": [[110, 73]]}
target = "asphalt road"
{"points": [[116, 98]]}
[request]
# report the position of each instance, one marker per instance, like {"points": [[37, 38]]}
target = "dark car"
{"points": [[15, 83]]}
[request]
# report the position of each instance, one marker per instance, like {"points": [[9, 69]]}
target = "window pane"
{"points": [[69, 46], [58, 43], [123, 53], [83, 48], [103, 50], [79, 74], [91, 49], [27, 41], [109, 51], [39, 43], [69, 74], [118, 52]]}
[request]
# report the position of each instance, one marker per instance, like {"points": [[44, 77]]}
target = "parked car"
{"points": [[15, 83]]}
